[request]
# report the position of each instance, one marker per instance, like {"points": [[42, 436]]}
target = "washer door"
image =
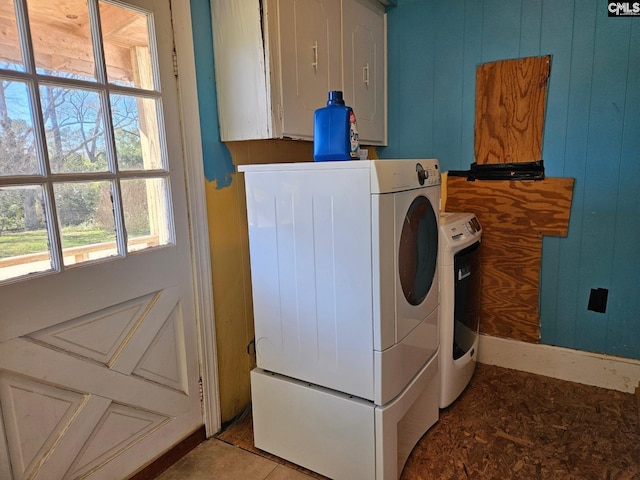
{"points": [[417, 250]]}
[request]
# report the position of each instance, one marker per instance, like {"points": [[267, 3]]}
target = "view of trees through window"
{"points": [[75, 140], [82, 169]]}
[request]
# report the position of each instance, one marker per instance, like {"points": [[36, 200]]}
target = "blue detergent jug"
{"points": [[335, 132]]}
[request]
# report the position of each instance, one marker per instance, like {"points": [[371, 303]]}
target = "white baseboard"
{"points": [[615, 373]]}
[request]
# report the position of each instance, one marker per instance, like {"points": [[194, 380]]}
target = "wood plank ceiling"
{"points": [[61, 37]]}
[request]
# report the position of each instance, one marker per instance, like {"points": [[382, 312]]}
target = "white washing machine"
{"points": [[345, 289], [460, 290]]}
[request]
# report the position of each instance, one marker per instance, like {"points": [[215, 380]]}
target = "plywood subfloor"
{"points": [[510, 424]]}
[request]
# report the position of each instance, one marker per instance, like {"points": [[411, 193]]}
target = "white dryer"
{"points": [[460, 290], [346, 293]]}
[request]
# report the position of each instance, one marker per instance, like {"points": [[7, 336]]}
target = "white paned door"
{"points": [[98, 343]]}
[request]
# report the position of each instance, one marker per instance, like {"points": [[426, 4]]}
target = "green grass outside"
{"points": [[21, 243]]}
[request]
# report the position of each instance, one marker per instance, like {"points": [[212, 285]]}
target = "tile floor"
{"points": [[215, 459]]}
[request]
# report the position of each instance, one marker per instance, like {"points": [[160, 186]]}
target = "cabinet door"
{"points": [[364, 66], [244, 107], [310, 55]]}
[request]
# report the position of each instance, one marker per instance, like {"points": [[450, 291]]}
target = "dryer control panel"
{"points": [[390, 176]]}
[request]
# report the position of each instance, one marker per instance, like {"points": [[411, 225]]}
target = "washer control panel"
{"points": [[472, 225], [459, 228]]}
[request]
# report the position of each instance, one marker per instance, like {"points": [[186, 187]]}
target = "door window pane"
{"points": [[136, 132], [145, 204], [10, 53], [74, 123], [24, 243], [85, 215], [17, 148], [61, 35], [126, 46]]}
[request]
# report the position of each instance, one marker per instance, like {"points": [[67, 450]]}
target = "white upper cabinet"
{"points": [[276, 61], [244, 104], [364, 55], [310, 59]]}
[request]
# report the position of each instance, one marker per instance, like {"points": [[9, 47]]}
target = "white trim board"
{"points": [[606, 371], [192, 137]]}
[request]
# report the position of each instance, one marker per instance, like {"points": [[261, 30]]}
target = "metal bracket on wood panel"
{"points": [[250, 344]]}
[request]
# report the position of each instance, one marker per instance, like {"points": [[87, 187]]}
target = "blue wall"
{"points": [[218, 165], [592, 133]]}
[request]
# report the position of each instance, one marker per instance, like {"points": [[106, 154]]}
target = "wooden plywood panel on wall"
{"points": [[510, 285], [510, 106], [514, 216], [518, 207]]}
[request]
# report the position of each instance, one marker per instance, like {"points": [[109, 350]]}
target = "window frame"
{"points": [[105, 89]]}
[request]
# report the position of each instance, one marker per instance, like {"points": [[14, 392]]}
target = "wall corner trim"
{"points": [[605, 371]]}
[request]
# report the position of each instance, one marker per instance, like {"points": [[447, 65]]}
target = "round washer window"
{"points": [[417, 255]]}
